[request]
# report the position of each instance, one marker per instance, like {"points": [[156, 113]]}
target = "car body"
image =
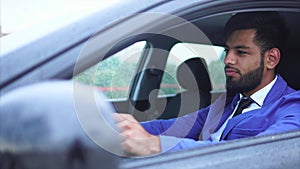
{"points": [[67, 51]]}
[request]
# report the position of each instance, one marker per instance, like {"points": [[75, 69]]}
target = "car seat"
{"points": [[192, 75]]}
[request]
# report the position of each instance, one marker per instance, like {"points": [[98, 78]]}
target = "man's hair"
{"points": [[270, 28]]}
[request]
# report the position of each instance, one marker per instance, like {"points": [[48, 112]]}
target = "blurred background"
{"points": [[18, 15]]}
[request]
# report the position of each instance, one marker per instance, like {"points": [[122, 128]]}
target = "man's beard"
{"points": [[246, 83]]}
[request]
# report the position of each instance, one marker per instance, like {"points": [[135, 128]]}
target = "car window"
{"points": [[213, 55], [113, 75]]}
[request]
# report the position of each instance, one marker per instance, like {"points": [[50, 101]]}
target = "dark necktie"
{"points": [[244, 103]]}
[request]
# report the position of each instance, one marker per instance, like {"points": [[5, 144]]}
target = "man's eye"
{"points": [[241, 52]]}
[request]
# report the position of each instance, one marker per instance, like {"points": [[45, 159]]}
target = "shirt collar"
{"points": [[259, 96]]}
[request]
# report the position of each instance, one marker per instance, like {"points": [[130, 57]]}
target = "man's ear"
{"points": [[272, 58]]}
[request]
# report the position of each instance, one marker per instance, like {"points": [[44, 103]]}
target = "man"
{"points": [[254, 42]]}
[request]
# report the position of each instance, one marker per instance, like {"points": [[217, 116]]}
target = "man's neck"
{"points": [[265, 89]]}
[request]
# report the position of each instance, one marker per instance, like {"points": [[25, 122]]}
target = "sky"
{"points": [[17, 15]]}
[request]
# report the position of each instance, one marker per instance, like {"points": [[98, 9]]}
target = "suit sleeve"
{"points": [[286, 110], [287, 115], [171, 144], [188, 126]]}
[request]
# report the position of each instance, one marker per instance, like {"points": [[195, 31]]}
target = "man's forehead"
{"points": [[241, 39]]}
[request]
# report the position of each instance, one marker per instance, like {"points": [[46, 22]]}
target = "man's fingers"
{"points": [[126, 122], [135, 140], [121, 117], [125, 125], [141, 146], [118, 117]]}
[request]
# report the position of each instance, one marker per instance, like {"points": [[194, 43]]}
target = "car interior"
{"points": [[212, 27], [193, 76], [194, 79]]}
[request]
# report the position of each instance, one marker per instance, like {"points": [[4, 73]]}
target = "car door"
{"points": [[166, 24]]}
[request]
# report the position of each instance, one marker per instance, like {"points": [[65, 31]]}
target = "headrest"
{"points": [[288, 68], [192, 74]]}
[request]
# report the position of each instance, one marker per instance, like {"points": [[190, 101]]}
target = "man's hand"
{"points": [[136, 140]]}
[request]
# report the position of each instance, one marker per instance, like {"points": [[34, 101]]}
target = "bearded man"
{"points": [[258, 100]]}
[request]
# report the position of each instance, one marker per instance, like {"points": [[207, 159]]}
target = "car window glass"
{"points": [[213, 55], [113, 75]]}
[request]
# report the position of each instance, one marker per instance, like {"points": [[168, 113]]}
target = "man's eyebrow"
{"points": [[241, 47], [237, 47]]}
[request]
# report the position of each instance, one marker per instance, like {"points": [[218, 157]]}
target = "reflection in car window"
{"points": [[113, 75], [213, 55]]}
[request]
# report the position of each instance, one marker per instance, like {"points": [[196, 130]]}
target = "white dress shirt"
{"points": [[258, 98]]}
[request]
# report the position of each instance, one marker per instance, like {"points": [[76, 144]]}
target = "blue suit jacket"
{"points": [[280, 112]]}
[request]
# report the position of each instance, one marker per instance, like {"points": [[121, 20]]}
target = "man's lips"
{"points": [[231, 71]]}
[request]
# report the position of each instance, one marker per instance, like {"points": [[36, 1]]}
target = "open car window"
{"points": [[113, 75], [213, 57]]}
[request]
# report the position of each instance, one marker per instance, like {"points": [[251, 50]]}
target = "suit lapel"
{"points": [[234, 121], [227, 111], [275, 93], [217, 115], [213, 117]]}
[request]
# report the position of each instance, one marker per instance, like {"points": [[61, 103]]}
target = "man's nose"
{"points": [[230, 58]]}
